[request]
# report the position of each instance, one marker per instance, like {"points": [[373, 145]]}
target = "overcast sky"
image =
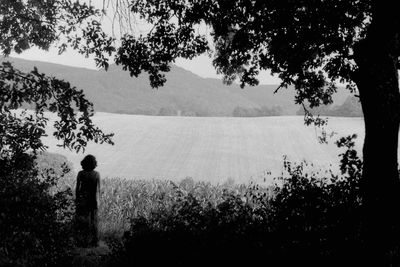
{"points": [[201, 65]]}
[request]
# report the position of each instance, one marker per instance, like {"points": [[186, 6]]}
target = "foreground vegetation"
{"points": [[312, 218], [36, 218], [306, 217]]}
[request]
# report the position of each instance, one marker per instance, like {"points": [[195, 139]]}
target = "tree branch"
{"points": [[17, 74]]}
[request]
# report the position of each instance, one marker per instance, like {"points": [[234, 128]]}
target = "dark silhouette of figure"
{"points": [[87, 194]]}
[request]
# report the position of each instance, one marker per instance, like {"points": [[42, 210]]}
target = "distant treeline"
{"points": [[165, 111], [350, 108], [264, 111], [237, 112]]}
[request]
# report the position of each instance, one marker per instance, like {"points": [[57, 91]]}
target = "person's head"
{"points": [[89, 163]]}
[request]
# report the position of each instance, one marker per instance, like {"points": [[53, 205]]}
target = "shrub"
{"points": [[35, 215], [35, 218], [191, 231], [122, 199], [317, 217], [35, 221], [306, 218]]}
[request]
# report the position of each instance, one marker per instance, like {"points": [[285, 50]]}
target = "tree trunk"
{"points": [[377, 81]]}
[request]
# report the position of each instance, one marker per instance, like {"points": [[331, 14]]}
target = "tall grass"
{"points": [[308, 219], [122, 200], [305, 216]]}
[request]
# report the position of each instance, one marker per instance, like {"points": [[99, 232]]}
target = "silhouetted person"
{"points": [[87, 194]]}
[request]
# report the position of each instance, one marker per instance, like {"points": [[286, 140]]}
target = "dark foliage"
{"points": [[35, 215], [35, 218], [311, 45], [27, 24], [308, 219], [293, 39], [318, 217]]}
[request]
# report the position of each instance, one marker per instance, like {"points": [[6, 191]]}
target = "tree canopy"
{"points": [[64, 23], [36, 218], [311, 45], [308, 44]]}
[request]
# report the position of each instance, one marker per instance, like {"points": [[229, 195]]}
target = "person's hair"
{"points": [[89, 163]]}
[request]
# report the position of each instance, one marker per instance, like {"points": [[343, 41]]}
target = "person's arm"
{"points": [[78, 185], [98, 189]]}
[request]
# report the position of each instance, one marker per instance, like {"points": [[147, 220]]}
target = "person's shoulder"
{"points": [[96, 173]]}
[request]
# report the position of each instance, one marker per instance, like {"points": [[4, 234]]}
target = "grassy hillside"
{"points": [[210, 149], [116, 92]]}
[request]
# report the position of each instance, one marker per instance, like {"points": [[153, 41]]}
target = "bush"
{"points": [[190, 231], [35, 219], [316, 217], [305, 219]]}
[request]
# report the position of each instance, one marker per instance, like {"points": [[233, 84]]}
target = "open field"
{"points": [[209, 148]]}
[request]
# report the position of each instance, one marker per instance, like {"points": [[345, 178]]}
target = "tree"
{"points": [[34, 220], [309, 44], [26, 24]]}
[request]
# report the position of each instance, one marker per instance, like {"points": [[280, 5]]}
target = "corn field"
{"points": [[125, 199]]}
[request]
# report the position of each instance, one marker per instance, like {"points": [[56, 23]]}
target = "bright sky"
{"points": [[201, 65]]}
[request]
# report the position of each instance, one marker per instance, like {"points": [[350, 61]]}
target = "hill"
{"points": [[185, 93]]}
